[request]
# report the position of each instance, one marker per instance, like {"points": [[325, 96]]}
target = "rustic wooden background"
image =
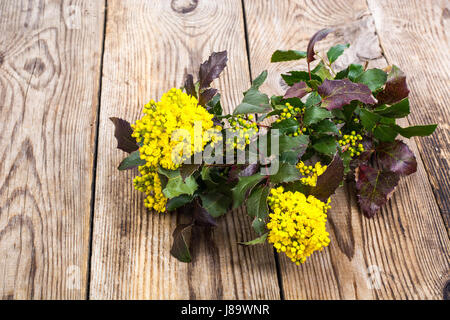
{"points": [[71, 225]]}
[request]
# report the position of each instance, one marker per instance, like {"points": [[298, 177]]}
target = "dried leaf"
{"points": [[123, 133], [337, 93]]}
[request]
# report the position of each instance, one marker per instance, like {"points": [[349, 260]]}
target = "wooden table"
{"points": [[73, 227]]}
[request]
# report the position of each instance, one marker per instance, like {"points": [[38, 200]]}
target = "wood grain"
{"points": [[49, 81], [416, 37], [149, 48], [403, 253]]}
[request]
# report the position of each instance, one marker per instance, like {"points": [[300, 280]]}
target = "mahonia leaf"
{"points": [[259, 240], [257, 207], [396, 157], [296, 76], [202, 217], [374, 188], [298, 90], [175, 185], [189, 86], [319, 35], [180, 248], [373, 78], [186, 170], [337, 93], [291, 149], [398, 110], [178, 202], [123, 133], [206, 96], [395, 89], [329, 181], [259, 80], [244, 187], [287, 55], [326, 145], [416, 131], [335, 52], [286, 173], [211, 69], [132, 161], [216, 202], [315, 114]]}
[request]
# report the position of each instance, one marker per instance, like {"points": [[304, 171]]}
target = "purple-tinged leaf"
{"points": [[329, 181], [180, 247], [206, 96], [396, 157], [189, 86], [374, 188], [395, 89], [123, 133], [186, 170], [338, 93], [298, 90], [202, 217], [211, 69], [319, 35]]}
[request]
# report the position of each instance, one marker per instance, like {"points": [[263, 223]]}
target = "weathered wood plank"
{"points": [[149, 48], [416, 37], [404, 251], [49, 78]]}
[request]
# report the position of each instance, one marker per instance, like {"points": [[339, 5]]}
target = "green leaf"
{"points": [[178, 202], [186, 170], [354, 70], [374, 188], [259, 80], [416, 131], [216, 203], [286, 126], [286, 173], [297, 76], [132, 161], [244, 187], [315, 114], [322, 71], [180, 248], [287, 55], [313, 99], [175, 184], [257, 207], [214, 105], [373, 78], [259, 240], [368, 119], [326, 126], [398, 110], [384, 133], [326, 145], [292, 148], [336, 51], [253, 102]]}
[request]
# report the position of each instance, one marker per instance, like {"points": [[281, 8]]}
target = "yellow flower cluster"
{"points": [[244, 130], [351, 141], [310, 173], [290, 112], [161, 140], [297, 224]]}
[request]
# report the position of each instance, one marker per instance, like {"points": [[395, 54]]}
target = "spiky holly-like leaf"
{"points": [[211, 68], [337, 93], [396, 157], [374, 188], [329, 181], [287, 55], [189, 86], [396, 88]]}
